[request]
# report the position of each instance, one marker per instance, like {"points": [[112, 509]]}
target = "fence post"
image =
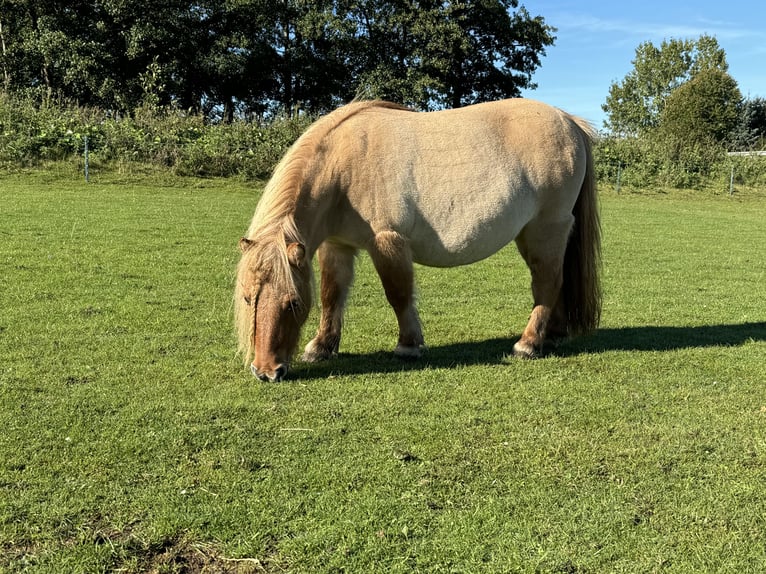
{"points": [[87, 174], [731, 181], [619, 175]]}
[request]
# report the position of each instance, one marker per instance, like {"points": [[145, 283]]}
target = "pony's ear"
{"points": [[296, 254], [245, 244]]}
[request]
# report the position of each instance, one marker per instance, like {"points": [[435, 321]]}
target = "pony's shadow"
{"points": [[495, 351]]}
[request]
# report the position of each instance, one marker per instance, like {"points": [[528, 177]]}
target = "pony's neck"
{"points": [[315, 198], [312, 213], [308, 183]]}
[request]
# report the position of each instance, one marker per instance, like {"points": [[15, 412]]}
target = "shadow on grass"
{"points": [[495, 351], [653, 338]]}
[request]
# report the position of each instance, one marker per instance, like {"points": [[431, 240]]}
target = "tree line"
{"points": [[673, 117], [244, 58], [683, 88], [164, 82]]}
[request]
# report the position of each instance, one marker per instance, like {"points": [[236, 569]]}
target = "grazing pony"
{"points": [[441, 189]]}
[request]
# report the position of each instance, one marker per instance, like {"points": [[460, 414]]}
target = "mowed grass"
{"points": [[132, 438]]}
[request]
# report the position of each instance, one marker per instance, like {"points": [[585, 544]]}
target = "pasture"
{"points": [[134, 440]]}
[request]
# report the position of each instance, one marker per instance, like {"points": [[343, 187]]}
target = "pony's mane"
{"points": [[273, 226], [282, 190]]}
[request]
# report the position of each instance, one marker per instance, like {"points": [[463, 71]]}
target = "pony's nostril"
{"points": [[280, 373]]}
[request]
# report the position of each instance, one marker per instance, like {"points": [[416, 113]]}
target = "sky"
{"points": [[596, 43]]}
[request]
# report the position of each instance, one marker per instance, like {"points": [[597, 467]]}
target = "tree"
{"points": [[167, 41], [696, 126], [236, 60], [750, 132], [315, 47], [434, 54], [707, 107], [492, 53], [635, 105], [229, 57], [41, 49]]}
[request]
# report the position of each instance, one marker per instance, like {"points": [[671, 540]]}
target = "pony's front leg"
{"points": [[336, 263], [392, 258]]}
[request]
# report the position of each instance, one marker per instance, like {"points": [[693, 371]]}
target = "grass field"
{"points": [[133, 439]]}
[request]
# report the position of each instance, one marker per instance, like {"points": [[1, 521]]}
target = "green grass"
{"points": [[134, 440]]}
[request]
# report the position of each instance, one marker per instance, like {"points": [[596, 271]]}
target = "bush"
{"points": [[247, 149], [30, 132], [630, 158], [33, 131], [156, 138], [668, 161], [688, 163], [749, 171]]}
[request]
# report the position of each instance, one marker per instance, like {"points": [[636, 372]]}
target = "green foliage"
{"points": [[748, 171], [246, 149], [32, 131], [68, 52], [687, 163], [664, 160], [707, 107], [451, 54], [629, 159], [635, 105], [134, 441], [750, 133], [232, 58], [675, 115]]}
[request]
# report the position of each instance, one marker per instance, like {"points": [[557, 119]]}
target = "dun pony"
{"points": [[442, 189]]}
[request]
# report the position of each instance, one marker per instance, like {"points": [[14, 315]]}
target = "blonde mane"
{"points": [[273, 225], [281, 193]]}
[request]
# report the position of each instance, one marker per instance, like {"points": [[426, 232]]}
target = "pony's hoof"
{"points": [[406, 352], [525, 350], [314, 353]]}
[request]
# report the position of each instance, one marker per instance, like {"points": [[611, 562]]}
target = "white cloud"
{"points": [[653, 31]]}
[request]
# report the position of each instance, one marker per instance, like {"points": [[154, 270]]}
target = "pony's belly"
{"points": [[459, 244], [465, 220]]}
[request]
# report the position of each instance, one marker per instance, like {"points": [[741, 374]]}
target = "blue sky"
{"points": [[596, 43]]}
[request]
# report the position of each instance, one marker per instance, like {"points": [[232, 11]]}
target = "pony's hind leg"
{"points": [[336, 263], [392, 258], [542, 245]]}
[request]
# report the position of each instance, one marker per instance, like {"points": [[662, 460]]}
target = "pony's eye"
{"points": [[247, 299]]}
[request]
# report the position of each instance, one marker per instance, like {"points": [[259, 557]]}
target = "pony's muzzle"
{"points": [[274, 377]]}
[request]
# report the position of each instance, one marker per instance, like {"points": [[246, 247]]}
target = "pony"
{"points": [[443, 189]]}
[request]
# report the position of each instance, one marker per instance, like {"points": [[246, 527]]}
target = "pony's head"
{"points": [[272, 301]]}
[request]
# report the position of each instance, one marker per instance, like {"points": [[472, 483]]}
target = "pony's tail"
{"points": [[581, 289]]}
